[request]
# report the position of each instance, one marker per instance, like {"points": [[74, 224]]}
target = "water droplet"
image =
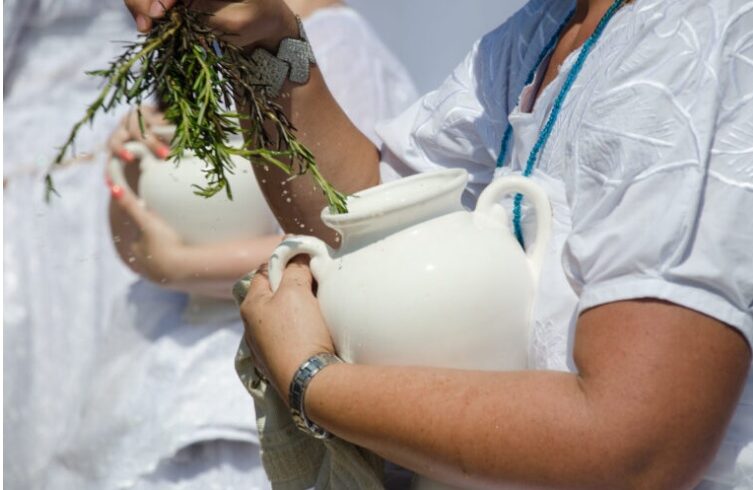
{"points": [[289, 200], [131, 260]]}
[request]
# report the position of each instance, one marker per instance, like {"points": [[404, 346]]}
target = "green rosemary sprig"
{"points": [[197, 77]]}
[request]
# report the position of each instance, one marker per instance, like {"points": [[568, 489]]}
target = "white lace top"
{"points": [[649, 168]]}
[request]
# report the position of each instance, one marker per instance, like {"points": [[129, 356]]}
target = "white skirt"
{"points": [[164, 402], [216, 465]]}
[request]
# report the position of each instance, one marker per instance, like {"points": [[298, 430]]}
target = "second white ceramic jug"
{"points": [[168, 189]]}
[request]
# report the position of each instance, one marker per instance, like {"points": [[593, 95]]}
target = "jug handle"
{"points": [[513, 184], [115, 166], [292, 247]]}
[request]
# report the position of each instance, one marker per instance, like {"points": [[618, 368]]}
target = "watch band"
{"points": [[297, 393], [293, 62]]}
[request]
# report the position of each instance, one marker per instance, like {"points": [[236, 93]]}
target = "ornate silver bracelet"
{"points": [[293, 60], [297, 393]]}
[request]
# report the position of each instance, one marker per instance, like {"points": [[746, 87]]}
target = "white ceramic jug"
{"points": [[420, 281], [167, 189]]}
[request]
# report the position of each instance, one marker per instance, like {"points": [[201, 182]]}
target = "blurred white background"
{"points": [[432, 36]]}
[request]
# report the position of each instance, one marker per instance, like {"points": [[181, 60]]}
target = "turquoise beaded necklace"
{"points": [[546, 131]]}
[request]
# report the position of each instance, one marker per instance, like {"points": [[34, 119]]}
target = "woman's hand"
{"points": [[284, 328], [158, 252], [149, 245], [245, 22]]}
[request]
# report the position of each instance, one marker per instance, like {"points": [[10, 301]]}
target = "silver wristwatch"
{"points": [[293, 60], [297, 394]]}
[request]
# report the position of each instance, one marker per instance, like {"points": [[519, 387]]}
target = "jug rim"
{"points": [[448, 180]]}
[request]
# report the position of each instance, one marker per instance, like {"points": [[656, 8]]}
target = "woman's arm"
{"points": [[655, 389], [212, 269], [155, 251], [344, 155]]}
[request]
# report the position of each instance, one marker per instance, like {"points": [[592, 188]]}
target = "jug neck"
{"points": [[387, 209]]}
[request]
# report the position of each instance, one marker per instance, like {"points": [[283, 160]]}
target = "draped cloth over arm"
{"points": [[294, 460]]}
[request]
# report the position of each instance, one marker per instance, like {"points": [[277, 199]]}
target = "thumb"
{"points": [[259, 289], [131, 204]]}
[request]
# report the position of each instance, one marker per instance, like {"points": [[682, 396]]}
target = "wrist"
{"points": [[284, 376], [290, 61], [279, 25], [299, 385]]}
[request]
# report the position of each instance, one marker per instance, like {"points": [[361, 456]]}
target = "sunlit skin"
{"points": [[150, 247], [655, 387]]}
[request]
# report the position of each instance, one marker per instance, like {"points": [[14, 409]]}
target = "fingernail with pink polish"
{"points": [[162, 152], [126, 156], [116, 191]]}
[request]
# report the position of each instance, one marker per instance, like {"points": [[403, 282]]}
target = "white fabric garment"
{"points": [[649, 168], [366, 79], [60, 272], [164, 377], [60, 277], [51, 45]]}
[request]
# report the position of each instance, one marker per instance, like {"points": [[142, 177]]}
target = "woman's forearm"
{"points": [[153, 250], [212, 269], [345, 157], [656, 389], [538, 428]]}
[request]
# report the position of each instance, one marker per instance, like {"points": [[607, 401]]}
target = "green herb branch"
{"points": [[197, 77]]}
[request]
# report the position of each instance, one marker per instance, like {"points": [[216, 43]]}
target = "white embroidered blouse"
{"points": [[649, 168]]}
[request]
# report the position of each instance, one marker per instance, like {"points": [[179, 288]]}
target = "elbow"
{"points": [[665, 472], [652, 464]]}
